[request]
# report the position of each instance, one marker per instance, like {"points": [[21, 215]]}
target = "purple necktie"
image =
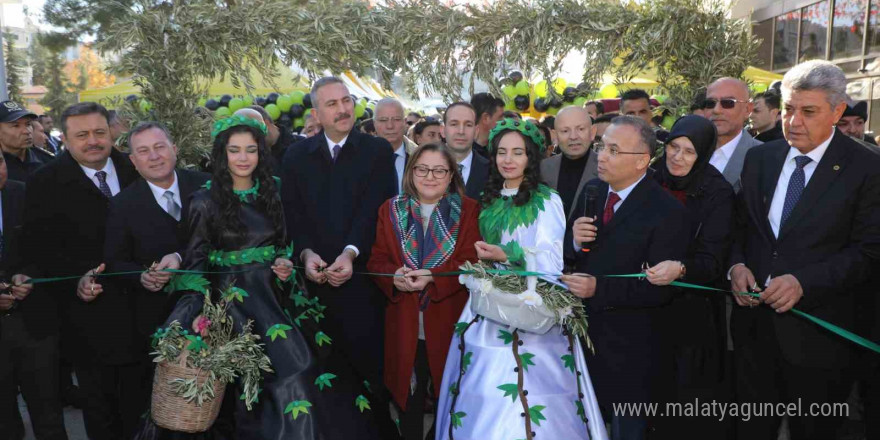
{"points": [[336, 150]]}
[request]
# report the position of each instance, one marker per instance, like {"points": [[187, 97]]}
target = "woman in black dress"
{"points": [[235, 224]]}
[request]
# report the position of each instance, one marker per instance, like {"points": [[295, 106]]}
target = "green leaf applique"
{"points": [[536, 415], [456, 418], [196, 344], [453, 389], [526, 360], [580, 410], [467, 361], [324, 381], [299, 299], [296, 407], [362, 403], [321, 338], [505, 336], [568, 362], [188, 281], [278, 330], [510, 389], [460, 327], [235, 293]]}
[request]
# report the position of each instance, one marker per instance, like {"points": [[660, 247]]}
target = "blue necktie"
{"points": [[102, 183], [795, 187]]}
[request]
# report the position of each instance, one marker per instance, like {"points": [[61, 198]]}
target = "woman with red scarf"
{"points": [[430, 228]]}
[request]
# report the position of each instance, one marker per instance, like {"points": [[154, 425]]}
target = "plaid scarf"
{"points": [[423, 250]]}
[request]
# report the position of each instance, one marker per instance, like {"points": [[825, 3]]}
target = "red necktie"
{"points": [[613, 198]]}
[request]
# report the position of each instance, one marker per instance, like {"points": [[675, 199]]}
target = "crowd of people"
{"points": [[774, 198]]}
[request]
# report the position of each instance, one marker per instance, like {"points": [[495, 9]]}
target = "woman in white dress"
{"points": [[500, 381]]}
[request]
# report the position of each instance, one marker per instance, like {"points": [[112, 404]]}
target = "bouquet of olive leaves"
{"points": [[212, 346]]}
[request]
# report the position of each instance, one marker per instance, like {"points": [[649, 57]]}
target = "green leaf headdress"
{"points": [[226, 123], [527, 129]]}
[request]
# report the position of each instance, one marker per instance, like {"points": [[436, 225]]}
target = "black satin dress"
{"points": [[297, 360]]}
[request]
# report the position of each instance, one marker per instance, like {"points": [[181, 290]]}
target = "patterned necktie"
{"points": [[795, 187], [613, 198], [102, 183], [336, 150], [171, 206]]}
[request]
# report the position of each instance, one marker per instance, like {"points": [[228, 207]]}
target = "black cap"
{"points": [[11, 111], [859, 108]]}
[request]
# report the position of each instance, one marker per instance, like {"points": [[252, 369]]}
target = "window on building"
{"points": [[814, 31], [848, 28], [785, 40], [764, 31], [874, 28]]}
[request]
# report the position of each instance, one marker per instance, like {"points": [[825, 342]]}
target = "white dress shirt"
{"points": [[341, 144], [112, 179], [330, 144], [466, 166], [159, 194], [400, 164], [722, 155], [788, 167], [624, 193]]}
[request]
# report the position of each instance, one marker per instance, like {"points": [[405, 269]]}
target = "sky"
{"points": [[13, 11]]}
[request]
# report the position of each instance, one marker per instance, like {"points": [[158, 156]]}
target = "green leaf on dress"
{"points": [[296, 407], [362, 403], [299, 299], [505, 336], [526, 360], [456, 418], [453, 389], [460, 327], [278, 330], [188, 281], [536, 415], [568, 361], [324, 381], [467, 360], [235, 293], [580, 410], [510, 389], [321, 338]]}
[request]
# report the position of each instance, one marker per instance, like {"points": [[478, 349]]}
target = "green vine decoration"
{"points": [[503, 216]]}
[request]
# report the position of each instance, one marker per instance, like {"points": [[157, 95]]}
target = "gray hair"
{"points": [[267, 119], [389, 101], [325, 81], [816, 75], [646, 133], [147, 125]]}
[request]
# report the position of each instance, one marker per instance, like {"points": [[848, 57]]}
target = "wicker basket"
{"points": [[171, 411]]}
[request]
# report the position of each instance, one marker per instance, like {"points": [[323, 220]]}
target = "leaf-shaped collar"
{"points": [[502, 215]]}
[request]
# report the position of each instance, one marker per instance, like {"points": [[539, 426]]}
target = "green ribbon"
{"points": [[842, 332]]}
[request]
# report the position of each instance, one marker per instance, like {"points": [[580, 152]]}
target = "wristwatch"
{"points": [[683, 271]]}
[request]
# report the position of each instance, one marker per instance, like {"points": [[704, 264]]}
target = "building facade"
{"points": [[845, 32]]}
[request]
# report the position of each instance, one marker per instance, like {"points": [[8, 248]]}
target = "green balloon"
{"points": [[248, 101], [359, 110], [235, 104], [273, 111], [299, 122], [522, 88], [297, 96], [580, 101], [145, 105], [284, 102], [509, 105], [509, 91], [552, 111], [222, 112], [202, 102]]}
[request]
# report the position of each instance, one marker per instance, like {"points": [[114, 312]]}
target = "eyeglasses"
{"points": [[383, 120], [599, 147], [438, 173], [727, 103]]}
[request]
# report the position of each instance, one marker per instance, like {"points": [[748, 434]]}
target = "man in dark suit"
{"points": [[15, 142], [391, 126], [65, 222], [27, 361], [489, 111], [570, 171], [53, 143], [459, 128], [144, 224], [638, 223], [807, 235], [332, 187]]}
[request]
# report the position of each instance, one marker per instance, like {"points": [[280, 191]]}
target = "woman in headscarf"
{"points": [[698, 318]]}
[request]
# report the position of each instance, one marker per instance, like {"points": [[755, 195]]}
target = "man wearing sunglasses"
{"points": [[727, 106]]}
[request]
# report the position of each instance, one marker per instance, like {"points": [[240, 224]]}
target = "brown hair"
{"points": [[456, 184]]}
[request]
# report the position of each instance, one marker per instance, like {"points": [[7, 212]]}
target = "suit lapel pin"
{"points": [[836, 167]]}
